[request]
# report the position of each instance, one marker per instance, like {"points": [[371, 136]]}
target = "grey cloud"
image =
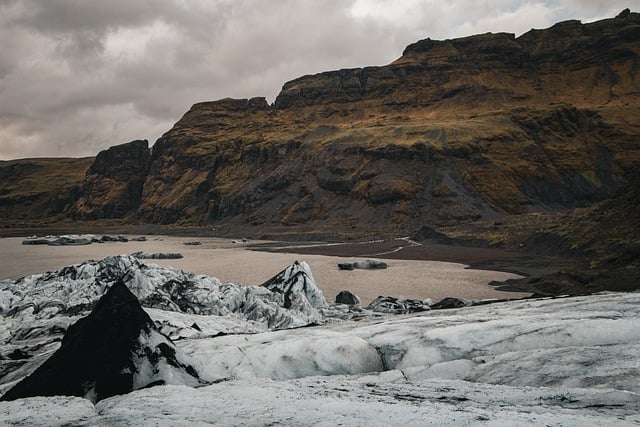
{"points": [[77, 76]]}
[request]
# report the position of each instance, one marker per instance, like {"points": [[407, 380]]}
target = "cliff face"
{"points": [[452, 131], [112, 186], [456, 130]]}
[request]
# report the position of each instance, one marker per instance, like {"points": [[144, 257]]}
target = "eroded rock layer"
{"points": [[480, 127]]}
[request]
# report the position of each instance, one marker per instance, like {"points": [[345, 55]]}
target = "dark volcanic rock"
{"points": [[36, 241], [107, 238], [147, 255], [346, 297], [450, 302], [369, 264], [397, 305], [101, 354]]}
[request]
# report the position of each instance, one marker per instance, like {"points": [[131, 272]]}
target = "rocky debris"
{"points": [[347, 297], [160, 255], [194, 243], [36, 241], [70, 240], [114, 350], [57, 241], [394, 305], [450, 302], [369, 264], [107, 238]]}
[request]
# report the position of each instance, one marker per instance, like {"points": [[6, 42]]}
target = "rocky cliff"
{"points": [[480, 127], [112, 187], [452, 131]]}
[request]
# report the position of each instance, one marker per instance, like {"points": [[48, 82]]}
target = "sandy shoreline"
{"points": [[232, 262]]}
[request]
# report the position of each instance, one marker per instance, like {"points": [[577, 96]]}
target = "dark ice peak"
{"points": [[102, 354]]}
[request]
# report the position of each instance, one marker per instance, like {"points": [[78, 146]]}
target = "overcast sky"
{"points": [[77, 76]]}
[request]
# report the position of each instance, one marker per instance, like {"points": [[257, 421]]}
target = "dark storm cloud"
{"points": [[77, 76]]}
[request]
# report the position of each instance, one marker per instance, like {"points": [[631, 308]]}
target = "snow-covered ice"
{"points": [[565, 361]]}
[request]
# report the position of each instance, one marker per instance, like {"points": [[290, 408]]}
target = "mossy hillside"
{"points": [[40, 187]]}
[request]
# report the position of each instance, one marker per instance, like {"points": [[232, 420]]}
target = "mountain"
{"points": [[454, 131]]}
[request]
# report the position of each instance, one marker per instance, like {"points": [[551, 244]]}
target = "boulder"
{"points": [[346, 297], [370, 264], [451, 302]]}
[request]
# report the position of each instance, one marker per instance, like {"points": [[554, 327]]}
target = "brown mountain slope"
{"points": [[39, 188], [453, 131], [477, 128]]}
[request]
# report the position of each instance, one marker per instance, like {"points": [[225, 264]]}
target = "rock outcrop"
{"points": [[114, 350], [112, 187]]}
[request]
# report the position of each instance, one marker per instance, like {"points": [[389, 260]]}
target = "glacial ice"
{"points": [[563, 361], [290, 299]]}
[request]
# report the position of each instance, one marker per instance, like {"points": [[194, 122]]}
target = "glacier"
{"points": [[281, 354]]}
